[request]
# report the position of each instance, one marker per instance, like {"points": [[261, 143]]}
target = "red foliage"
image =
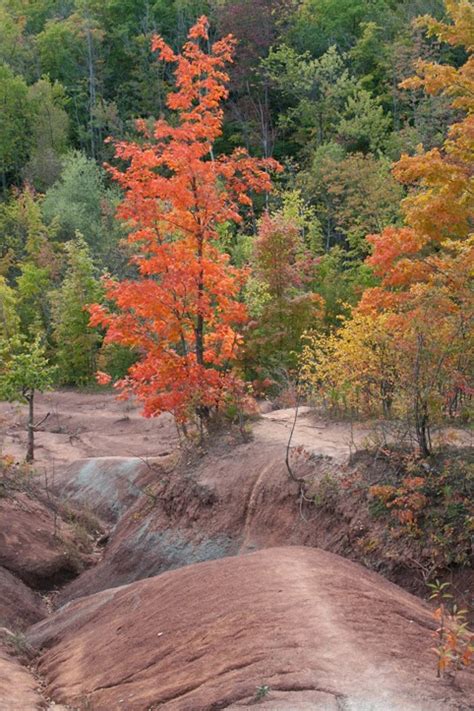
{"points": [[183, 312], [282, 260]]}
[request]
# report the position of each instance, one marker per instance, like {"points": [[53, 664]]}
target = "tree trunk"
{"points": [[30, 451], [199, 329], [420, 405], [200, 340], [423, 435], [386, 389]]}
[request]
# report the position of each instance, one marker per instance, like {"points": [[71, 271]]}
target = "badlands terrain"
{"points": [[136, 574]]}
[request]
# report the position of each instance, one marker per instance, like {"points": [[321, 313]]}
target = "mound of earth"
{"points": [[18, 687], [289, 627], [36, 544], [20, 607], [108, 486]]}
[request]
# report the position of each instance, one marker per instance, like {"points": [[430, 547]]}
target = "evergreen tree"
{"points": [[80, 202]]}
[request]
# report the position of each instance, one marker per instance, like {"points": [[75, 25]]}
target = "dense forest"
{"points": [[329, 145]]}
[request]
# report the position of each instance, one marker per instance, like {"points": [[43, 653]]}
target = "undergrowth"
{"points": [[404, 512], [14, 476], [430, 503]]}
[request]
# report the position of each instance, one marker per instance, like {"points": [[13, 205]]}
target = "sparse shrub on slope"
{"points": [[408, 517]]}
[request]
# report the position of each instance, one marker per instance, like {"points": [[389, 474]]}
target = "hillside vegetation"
{"points": [[291, 193], [254, 219]]}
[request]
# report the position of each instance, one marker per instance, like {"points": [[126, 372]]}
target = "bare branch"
{"points": [[38, 424]]}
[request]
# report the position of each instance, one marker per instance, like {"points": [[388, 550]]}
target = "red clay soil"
{"points": [[37, 546], [20, 607], [300, 628], [18, 687], [319, 631], [237, 498]]}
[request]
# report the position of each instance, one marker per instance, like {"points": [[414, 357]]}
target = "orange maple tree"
{"points": [[183, 312]]}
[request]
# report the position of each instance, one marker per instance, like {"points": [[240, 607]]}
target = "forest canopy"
{"points": [[361, 112]]}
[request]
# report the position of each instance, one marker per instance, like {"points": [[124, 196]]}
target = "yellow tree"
{"points": [[426, 267], [353, 369]]}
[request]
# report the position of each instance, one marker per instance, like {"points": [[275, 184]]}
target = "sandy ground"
{"points": [[84, 425], [98, 425], [327, 438], [336, 439]]}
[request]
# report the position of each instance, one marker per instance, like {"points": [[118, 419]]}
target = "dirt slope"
{"points": [[204, 511], [36, 544], [19, 605], [108, 486], [18, 687], [236, 498], [319, 631]]}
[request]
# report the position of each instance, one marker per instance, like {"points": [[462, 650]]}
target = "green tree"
{"points": [[25, 237], [33, 286], [369, 58], [279, 297], [325, 101], [319, 23], [339, 280], [69, 51], [80, 202], [9, 321], [313, 90], [364, 125], [24, 370], [353, 195], [15, 48], [76, 344]]}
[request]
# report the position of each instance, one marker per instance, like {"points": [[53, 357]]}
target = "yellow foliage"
{"points": [[354, 367]]}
